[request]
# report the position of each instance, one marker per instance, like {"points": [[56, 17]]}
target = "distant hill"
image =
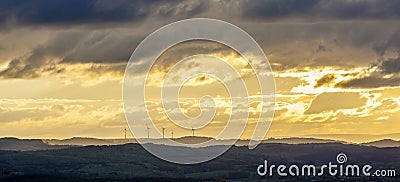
{"points": [[356, 138], [50, 144], [383, 143], [298, 140], [321, 138], [192, 140], [294, 140], [84, 141], [16, 144]]}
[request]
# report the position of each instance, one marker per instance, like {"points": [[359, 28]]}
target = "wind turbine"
{"points": [[172, 133], [193, 131]]}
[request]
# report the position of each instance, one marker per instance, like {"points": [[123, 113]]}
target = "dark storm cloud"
{"points": [[41, 57], [109, 47], [373, 81], [321, 9], [393, 41], [325, 80], [189, 48], [387, 71], [114, 43], [27, 12], [74, 47], [391, 66], [86, 12], [278, 8], [321, 48], [386, 74]]}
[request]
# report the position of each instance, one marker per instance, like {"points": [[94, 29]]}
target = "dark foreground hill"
{"points": [[132, 162]]}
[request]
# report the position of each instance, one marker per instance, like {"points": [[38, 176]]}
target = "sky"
{"points": [[336, 64]]}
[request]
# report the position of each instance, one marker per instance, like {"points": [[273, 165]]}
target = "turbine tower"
{"points": [[172, 133], [125, 132], [163, 129], [193, 131], [148, 132]]}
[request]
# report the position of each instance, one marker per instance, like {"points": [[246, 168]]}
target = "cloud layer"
{"points": [[337, 63]]}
